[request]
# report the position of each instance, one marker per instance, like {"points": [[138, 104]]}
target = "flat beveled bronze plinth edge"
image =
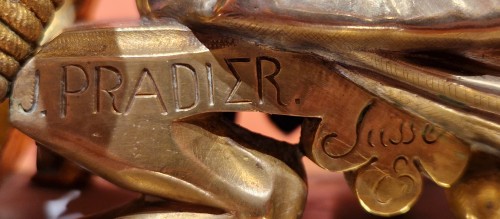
{"points": [[384, 102]]}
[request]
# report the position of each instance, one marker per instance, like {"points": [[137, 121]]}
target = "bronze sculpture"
{"points": [[382, 100]]}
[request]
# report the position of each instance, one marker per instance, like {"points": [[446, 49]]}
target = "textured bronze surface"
{"points": [[477, 194], [43, 9], [20, 34], [173, 162], [437, 61], [144, 115], [409, 66], [21, 19], [22, 25], [389, 92], [428, 14]]}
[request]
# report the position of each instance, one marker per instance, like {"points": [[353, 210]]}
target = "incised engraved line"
{"points": [[107, 85], [396, 142], [328, 141], [409, 141], [99, 70], [146, 75], [414, 75], [400, 164], [65, 92], [382, 138], [34, 97], [270, 78], [370, 138], [177, 96], [427, 134], [211, 86], [260, 77], [229, 63], [400, 140]]}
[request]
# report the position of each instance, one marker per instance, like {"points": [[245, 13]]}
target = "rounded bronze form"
{"points": [[22, 24], [477, 194]]}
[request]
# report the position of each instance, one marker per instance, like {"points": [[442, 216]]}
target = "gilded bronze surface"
{"points": [[19, 38], [22, 26], [454, 64], [123, 94], [388, 94], [477, 194]]}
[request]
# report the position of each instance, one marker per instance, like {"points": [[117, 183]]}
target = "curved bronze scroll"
{"points": [[141, 105]]}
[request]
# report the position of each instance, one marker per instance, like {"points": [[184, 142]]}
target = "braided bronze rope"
{"points": [[22, 23]]}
